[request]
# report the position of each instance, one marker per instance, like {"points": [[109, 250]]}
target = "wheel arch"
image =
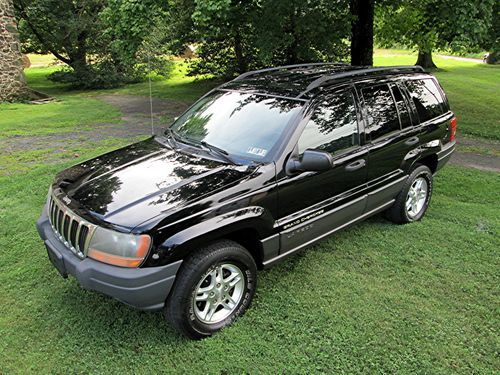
{"points": [[430, 161], [248, 228]]}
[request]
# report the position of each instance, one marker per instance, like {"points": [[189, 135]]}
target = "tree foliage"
{"points": [[99, 40], [236, 35], [427, 25]]}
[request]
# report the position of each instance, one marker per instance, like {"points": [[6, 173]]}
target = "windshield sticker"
{"points": [[257, 151]]}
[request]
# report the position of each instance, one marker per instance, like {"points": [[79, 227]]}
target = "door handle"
{"points": [[355, 165], [412, 141]]}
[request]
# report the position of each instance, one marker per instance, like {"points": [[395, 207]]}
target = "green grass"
{"points": [[374, 298], [472, 90], [69, 114]]}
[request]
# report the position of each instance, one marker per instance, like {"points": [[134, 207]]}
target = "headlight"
{"points": [[119, 249]]}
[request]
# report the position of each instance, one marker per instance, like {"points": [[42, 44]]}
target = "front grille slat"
{"points": [[60, 216], [72, 230], [65, 229], [82, 238]]}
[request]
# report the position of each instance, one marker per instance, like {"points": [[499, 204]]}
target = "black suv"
{"points": [[256, 170]]}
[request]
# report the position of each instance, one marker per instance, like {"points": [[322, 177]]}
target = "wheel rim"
{"points": [[218, 293], [417, 195]]}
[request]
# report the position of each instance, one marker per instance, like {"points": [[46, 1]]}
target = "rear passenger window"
{"points": [[333, 127], [426, 97], [382, 116], [404, 113]]}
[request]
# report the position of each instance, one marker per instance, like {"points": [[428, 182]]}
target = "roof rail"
{"points": [[251, 73], [359, 72]]}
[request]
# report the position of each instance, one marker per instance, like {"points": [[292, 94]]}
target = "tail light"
{"points": [[453, 129]]}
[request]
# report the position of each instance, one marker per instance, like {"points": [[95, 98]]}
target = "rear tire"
{"points": [[413, 200], [212, 289]]}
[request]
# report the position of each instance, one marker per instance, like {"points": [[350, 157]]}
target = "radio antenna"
{"points": [[150, 96]]}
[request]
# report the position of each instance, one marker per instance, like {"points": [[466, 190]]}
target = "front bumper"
{"points": [[142, 288]]}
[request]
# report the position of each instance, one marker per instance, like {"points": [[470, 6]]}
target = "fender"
{"points": [[254, 218]]}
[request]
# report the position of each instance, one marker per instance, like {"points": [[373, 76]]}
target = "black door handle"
{"points": [[412, 141], [355, 165]]}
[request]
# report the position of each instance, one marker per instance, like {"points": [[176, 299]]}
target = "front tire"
{"points": [[413, 200], [213, 288]]}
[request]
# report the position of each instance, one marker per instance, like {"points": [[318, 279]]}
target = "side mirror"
{"points": [[311, 161]]}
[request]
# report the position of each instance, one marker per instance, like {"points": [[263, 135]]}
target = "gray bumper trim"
{"points": [[445, 154], [142, 288]]}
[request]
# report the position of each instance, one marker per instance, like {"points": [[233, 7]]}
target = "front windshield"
{"points": [[242, 124]]}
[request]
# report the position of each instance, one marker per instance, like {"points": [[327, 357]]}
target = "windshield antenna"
{"points": [[150, 96]]}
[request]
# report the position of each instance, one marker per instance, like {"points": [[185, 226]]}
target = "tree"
{"points": [[362, 13], [97, 39], [427, 25], [297, 31], [12, 83], [236, 35]]}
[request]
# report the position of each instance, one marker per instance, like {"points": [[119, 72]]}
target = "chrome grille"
{"points": [[73, 231]]}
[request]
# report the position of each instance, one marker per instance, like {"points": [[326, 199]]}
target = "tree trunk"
{"points": [[362, 12], [238, 50], [292, 54], [12, 82], [425, 60]]}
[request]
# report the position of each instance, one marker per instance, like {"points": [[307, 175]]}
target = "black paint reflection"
{"points": [[145, 175]]}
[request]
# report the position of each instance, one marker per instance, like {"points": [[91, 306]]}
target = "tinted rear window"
{"points": [[426, 97], [381, 110]]}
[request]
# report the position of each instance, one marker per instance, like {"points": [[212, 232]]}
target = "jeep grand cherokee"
{"points": [[256, 170]]}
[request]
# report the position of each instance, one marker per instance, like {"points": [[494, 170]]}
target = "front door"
{"points": [[313, 204]]}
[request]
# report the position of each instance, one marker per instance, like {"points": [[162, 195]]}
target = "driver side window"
{"points": [[333, 127]]}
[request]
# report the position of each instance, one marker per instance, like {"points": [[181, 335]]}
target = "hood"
{"points": [[131, 185]]}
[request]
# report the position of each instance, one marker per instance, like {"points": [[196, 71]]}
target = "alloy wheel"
{"points": [[218, 293]]}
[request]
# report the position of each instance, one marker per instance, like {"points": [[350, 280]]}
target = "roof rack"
{"points": [[359, 72], [251, 73]]}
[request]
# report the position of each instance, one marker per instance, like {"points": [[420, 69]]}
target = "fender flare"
{"points": [[184, 241]]}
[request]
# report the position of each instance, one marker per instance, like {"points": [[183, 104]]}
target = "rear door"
{"points": [[393, 142]]}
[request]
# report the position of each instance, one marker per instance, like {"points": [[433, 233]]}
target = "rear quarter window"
{"points": [[426, 97]]}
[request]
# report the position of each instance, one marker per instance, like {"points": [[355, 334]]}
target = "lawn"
{"points": [[471, 88], [421, 298]]}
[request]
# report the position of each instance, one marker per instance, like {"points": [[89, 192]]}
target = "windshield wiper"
{"points": [[171, 139], [219, 151], [214, 149]]}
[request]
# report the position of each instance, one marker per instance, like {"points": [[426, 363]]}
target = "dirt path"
{"points": [[136, 122], [477, 153], [458, 58]]}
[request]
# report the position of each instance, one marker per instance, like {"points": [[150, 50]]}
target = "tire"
{"points": [[222, 301], [399, 212]]}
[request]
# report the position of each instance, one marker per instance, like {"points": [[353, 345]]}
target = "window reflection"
{"points": [[404, 114], [243, 124], [333, 126], [426, 97], [382, 117]]}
